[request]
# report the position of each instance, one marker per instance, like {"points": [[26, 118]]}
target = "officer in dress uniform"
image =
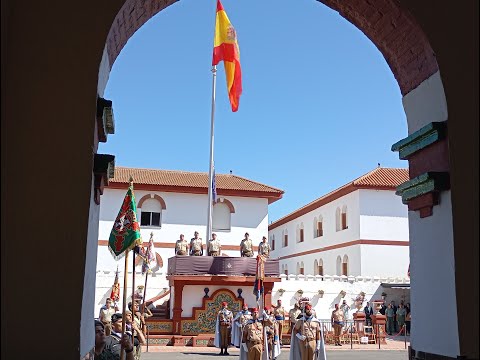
{"points": [[214, 246], [239, 322], [246, 246], [271, 331], [253, 337], [224, 326], [292, 316], [181, 246], [196, 245], [264, 248], [307, 330], [279, 313]]}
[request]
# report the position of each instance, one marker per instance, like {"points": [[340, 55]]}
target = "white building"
{"points": [[359, 229], [170, 203]]}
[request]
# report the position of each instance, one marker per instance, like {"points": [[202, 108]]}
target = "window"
{"points": [[221, 217], [300, 233], [345, 266], [151, 213], [285, 269], [339, 265], [302, 239], [338, 225], [273, 242], [319, 227], [285, 238], [344, 218], [302, 269], [320, 267], [315, 267]]}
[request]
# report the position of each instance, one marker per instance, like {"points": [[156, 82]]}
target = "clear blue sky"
{"points": [[319, 108]]}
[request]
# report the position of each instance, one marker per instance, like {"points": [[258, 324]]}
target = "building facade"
{"points": [[359, 229], [170, 203]]}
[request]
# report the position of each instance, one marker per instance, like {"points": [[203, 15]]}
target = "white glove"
{"points": [[300, 336], [318, 344], [245, 348]]}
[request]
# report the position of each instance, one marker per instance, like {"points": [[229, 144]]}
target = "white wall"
{"points": [[385, 260], [432, 238], [330, 235], [186, 213], [383, 216]]}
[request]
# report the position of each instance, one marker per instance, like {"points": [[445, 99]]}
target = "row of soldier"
{"points": [[214, 247], [255, 334]]}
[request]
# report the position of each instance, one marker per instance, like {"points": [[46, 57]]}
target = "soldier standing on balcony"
{"points": [[214, 246], [264, 248], [246, 246], [196, 245], [181, 246]]}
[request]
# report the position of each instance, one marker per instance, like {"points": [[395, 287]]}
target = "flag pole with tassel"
{"points": [[125, 284]]}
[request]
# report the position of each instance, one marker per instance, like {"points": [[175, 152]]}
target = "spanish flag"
{"points": [[226, 49]]}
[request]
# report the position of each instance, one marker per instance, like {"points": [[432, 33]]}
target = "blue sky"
{"points": [[319, 108]]}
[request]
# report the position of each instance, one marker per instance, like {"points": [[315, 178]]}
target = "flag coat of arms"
{"points": [[226, 49], [125, 233]]}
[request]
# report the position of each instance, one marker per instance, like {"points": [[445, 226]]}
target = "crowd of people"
{"points": [[109, 341], [214, 246]]}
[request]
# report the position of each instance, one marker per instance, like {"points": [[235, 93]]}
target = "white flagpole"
{"points": [[210, 171]]}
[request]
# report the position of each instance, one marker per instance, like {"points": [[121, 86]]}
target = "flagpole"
{"points": [[133, 283], [210, 171], [125, 284]]}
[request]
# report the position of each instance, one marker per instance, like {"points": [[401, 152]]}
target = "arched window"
{"points": [[338, 221], [344, 218], [339, 265], [272, 241], [302, 269], [150, 212], [300, 233], [320, 268], [345, 266], [285, 269], [285, 238], [315, 267], [221, 217], [319, 227]]}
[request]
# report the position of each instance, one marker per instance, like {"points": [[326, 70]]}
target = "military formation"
{"points": [[214, 246], [258, 335]]}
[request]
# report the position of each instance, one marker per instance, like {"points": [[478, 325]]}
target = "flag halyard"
{"points": [[226, 49]]}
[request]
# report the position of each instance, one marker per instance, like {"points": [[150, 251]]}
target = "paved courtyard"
{"points": [[208, 353]]}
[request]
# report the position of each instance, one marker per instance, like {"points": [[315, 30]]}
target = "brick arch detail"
{"points": [[228, 203], [156, 197], [391, 28]]}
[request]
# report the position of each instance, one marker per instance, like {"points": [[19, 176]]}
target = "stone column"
{"points": [[177, 307]]}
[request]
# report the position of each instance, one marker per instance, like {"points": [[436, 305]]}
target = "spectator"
{"points": [[401, 314], [109, 347], [368, 314], [390, 313], [394, 307], [408, 318], [105, 315], [382, 309]]}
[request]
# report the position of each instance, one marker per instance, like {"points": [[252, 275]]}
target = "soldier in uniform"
{"points": [[224, 327], [246, 246], [214, 246], [253, 337], [307, 330], [264, 248], [196, 245], [279, 313], [239, 322], [292, 316], [271, 331], [181, 246]]}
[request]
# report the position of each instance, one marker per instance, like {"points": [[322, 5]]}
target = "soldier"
{"points": [[246, 246], [271, 331], [292, 316], [181, 246], [214, 246], [307, 330], [253, 337], [264, 248], [239, 322], [224, 327], [196, 245], [338, 319], [279, 313]]}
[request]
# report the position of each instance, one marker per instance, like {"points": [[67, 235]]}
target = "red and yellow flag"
{"points": [[226, 49]]}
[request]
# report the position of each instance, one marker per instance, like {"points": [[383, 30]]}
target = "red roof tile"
{"points": [[379, 178], [192, 180]]}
